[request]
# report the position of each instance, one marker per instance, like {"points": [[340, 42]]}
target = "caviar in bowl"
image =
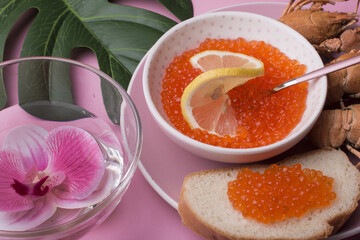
{"points": [[67, 152], [243, 33]]}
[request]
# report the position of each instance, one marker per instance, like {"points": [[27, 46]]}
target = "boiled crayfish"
{"points": [[315, 24]]}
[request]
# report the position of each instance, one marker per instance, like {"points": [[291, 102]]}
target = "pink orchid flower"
{"points": [[41, 171]]}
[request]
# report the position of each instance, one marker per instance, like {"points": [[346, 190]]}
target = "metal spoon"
{"points": [[318, 73]]}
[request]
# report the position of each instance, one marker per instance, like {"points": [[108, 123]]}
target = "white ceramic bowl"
{"points": [[188, 34]]}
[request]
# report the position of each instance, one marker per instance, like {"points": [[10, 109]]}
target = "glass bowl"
{"points": [[55, 93]]}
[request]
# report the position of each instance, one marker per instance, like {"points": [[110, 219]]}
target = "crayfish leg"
{"points": [[355, 95], [287, 9], [342, 104], [353, 150]]}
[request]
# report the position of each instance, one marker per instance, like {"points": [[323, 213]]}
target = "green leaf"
{"points": [[42, 80], [182, 9], [56, 111], [118, 35]]}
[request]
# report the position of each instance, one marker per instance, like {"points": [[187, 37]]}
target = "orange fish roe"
{"points": [[262, 119], [280, 192]]}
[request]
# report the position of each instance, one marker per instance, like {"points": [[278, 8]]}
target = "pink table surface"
{"points": [[143, 214]]}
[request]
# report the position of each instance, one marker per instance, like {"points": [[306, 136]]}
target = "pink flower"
{"points": [[40, 171]]}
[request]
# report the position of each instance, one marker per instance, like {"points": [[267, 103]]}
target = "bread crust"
{"points": [[198, 226], [201, 227], [191, 220]]}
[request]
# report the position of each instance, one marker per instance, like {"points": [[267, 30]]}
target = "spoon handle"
{"points": [[319, 72]]}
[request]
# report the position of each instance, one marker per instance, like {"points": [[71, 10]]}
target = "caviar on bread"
{"points": [[205, 204]]}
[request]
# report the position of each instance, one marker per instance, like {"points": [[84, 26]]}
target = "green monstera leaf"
{"points": [[182, 9], [119, 36]]}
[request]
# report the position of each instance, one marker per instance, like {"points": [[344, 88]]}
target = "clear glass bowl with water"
{"points": [[51, 92]]}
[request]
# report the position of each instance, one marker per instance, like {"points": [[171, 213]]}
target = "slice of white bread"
{"points": [[205, 208]]}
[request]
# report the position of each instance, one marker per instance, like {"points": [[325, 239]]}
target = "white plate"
{"points": [[164, 164]]}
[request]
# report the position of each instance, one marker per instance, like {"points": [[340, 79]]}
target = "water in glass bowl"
{"points": [[106, 134]]}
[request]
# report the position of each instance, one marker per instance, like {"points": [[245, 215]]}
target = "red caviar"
{"points": [[280, 192], [262, 119]]}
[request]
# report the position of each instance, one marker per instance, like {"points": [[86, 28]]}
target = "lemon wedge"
{"points": [[213, 59], [205, 103]]}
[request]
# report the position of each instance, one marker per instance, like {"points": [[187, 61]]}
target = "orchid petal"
{"points": [[55, 179], [12, 168], [76, 153], [23, 220], [29, 141], [31, 174], [102, 191]]}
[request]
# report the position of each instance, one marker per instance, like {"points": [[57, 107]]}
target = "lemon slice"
{"points": [[205, 103], [213, 59]]}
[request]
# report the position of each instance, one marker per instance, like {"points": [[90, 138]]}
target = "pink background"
{"points": [[143, 214]]}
